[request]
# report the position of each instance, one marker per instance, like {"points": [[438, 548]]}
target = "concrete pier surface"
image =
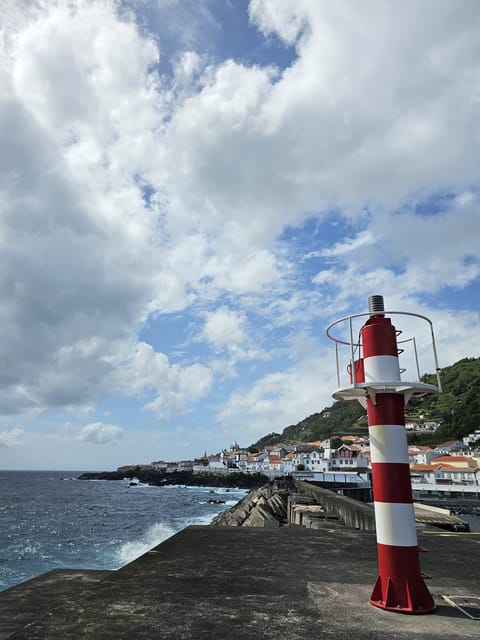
{"points": [[245, 583]]}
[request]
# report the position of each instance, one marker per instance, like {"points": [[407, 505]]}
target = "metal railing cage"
{"points": [[354, 349]]}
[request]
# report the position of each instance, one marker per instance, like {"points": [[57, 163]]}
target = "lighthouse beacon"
{"points": [[373, 378]]}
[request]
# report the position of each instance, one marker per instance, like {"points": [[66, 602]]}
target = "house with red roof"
{"points": [[450, 446], [451, 470], [421, 455]]}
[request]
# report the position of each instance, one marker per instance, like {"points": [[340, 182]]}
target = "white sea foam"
{"points": [[204, 519], [153, 536], [31, 549]]}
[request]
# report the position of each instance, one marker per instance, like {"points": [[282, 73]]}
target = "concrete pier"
{"points": [[438, 517], [245, 583]]}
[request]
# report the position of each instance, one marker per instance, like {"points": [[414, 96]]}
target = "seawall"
{"points": [[297, 503], [314, 507]]}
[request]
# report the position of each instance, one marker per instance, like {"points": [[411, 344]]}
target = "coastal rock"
{"points": [[184, 478]]}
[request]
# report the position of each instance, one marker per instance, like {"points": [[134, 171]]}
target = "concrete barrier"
{"points": [[271, 507], [353, 514], [264, 507]]}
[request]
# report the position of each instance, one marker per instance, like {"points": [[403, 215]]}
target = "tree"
{"points": [[336, 442]]}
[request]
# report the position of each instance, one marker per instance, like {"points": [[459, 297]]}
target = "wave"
{"points": [[153, 536], [205, 519]]}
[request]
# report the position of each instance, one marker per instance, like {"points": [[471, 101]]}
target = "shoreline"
{"points": [[183, 478]]}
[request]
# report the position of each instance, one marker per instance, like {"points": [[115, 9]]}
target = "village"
{"points": [[451, 465]]}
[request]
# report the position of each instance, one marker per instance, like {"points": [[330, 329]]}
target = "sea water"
{"points": [[51, 520]]}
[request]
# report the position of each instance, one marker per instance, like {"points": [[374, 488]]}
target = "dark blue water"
{"points": [[50, 520], [473, 521]]}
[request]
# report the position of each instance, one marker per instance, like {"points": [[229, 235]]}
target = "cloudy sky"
{"points": [[192, 190]]}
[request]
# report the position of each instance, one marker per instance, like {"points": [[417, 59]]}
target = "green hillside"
{"points": [[457, 410], [339, 418]]}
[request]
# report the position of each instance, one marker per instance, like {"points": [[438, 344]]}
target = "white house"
{"points": [[349, 457], [421, 455], [159, 465], [185, 465], [254, 462], [288, 466], [444, 473], [215, 463], [472, 438], [312, 461], [450, 446], [273, 463]]}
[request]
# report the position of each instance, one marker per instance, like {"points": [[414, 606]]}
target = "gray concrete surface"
{"points": [[242, 583], [24, 604]]}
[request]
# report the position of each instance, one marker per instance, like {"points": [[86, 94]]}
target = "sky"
{"points": [[191, 191]]}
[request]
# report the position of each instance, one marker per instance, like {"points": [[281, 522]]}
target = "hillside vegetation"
{"points": [[457, 410]]}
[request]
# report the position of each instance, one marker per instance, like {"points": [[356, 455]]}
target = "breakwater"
{"points": [[264, 507], [314, 507], [297, 503]]}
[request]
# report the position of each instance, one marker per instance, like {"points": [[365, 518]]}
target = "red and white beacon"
{"points": [[375, 381]]}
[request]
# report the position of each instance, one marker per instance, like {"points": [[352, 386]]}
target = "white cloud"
{"points": [[408, 254], [11, 437], [125, 195], [363, 239], [174, 387], [100, 433], [278, 399], [281, 18], [78, 282], [224, 328]]}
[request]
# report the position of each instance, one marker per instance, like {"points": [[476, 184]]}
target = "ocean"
{"points": [[51, 520]]}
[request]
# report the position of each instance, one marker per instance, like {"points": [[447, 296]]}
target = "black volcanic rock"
{"points": [[102, 475], [187, 478]]}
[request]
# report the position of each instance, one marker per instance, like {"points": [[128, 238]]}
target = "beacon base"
{"points": [[405, 596]]}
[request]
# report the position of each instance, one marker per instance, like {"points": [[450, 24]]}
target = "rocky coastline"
{"points": [[183, 478]]}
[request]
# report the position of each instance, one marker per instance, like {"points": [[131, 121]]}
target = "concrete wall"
{"points": [[353, 514]]}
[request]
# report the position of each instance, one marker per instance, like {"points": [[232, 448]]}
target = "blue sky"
{"points": [[190, 192]]}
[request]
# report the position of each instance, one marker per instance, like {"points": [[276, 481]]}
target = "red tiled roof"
{"points": [[450, 459], [415, 448], [422, 467], [448, 467]]}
